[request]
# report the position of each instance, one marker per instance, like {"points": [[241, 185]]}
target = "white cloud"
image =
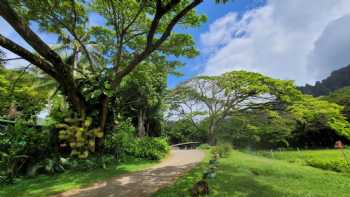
{"points": [[7, 31], [291, 39]]}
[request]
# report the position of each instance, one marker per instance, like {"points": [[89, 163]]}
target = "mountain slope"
{"points": [[338, 79]]}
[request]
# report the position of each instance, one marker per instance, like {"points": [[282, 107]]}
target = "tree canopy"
{"points": [[216, 98], [90, 60]]}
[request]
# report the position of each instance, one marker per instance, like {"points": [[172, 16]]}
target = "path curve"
{"points": [[143, 183]]}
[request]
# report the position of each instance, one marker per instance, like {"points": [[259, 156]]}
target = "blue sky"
{"points": [[213, 11], [295, 40]]}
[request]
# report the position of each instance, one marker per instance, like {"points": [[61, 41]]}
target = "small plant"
{"points": [[200, 188], [222, 150], [204, 146]]}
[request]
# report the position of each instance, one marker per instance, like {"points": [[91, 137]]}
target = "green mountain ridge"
{"points": [[336, 80]]}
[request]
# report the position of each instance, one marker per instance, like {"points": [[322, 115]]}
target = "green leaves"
{"points": [[79, 135], [309, 110], [23, 90]]}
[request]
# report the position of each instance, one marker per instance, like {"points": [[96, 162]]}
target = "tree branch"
{"points": [[30, 57], [28, 35], [150, 47]]}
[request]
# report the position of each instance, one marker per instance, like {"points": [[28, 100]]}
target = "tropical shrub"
{"points": [[153, 148], [21, 148], [122, 143]]}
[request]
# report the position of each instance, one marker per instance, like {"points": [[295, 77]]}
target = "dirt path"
{"points": [[144, 183]]}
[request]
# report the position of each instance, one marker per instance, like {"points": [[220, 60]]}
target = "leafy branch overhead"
{"points": [[99, 42]]}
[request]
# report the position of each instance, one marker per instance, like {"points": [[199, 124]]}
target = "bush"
{"points": [[333, 165], [223, 150], [152, 148], [21, 148], [122, 143], [204, 146]]}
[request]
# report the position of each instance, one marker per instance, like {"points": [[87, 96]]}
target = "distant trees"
{"points": [[216, 98], [249, 108], [319, 122], [341, 97], [141, 97], [258, 129]]}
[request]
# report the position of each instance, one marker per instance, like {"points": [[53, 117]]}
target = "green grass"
{"points": [[308, 154], [254, 176], [324, 159], [48, 185]]}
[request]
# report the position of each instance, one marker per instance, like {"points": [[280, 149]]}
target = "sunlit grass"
{"points": [[308, 154], [48, 185], [247, 175]]}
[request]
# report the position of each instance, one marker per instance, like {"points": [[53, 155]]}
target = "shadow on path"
{"points": [[142, 183]]}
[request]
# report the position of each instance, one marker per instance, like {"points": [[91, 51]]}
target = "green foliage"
{"points": [[341, 97], [257, 129], [223, 150], [120, 140], [204, 146], [252, 84], [242, 174], [122, 143], [222, 97], [324, 159], [333, 165], [150, 148], [183, 131], [79, 135], [21, 90], [141, 96], [21, 148], [309, 110]]}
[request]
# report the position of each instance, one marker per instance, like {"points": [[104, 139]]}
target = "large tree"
{"points": [[141, 98], [216, 98], [98, 56]]}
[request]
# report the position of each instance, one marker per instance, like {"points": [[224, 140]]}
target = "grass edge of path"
{"points": [[45, 185]]}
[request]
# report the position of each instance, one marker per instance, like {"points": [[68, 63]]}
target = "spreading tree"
{"points": [[89, 61], [218, 97]]}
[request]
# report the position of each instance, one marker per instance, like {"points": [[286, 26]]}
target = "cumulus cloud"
{"points": [[291, 39]]}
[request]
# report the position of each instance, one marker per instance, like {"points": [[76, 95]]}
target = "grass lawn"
{"points": [[324, 159], [48, 185], [247, 175]]}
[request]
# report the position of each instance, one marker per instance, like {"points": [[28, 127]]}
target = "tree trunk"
{"points": [[211, 135], [103, 111], [141, 123]]}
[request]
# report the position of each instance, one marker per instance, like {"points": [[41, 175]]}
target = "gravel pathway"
{"points": [[143, 183]]}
